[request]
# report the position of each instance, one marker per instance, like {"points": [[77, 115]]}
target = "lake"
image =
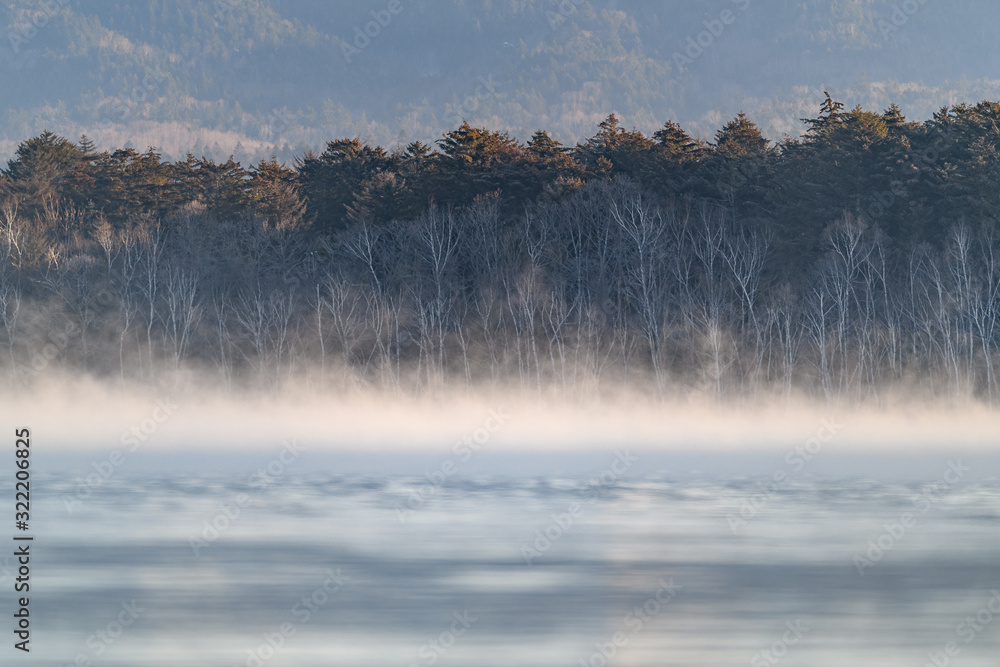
{"points": [[616, 567]]}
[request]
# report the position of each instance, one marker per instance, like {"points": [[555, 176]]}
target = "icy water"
{"points": [[359, 571]]}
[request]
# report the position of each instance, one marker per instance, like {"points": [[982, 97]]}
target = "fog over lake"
{"points": [[465, 333]]}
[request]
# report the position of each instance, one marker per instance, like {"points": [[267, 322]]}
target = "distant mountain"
{"points": [[259, 77]]}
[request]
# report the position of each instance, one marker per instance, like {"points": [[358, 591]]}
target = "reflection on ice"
{"points": [[597, 589]]}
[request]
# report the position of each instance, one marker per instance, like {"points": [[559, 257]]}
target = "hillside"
{"points": [[256, 77]]}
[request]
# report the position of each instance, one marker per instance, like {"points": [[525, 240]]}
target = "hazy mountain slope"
{"points": [[263, 76]]}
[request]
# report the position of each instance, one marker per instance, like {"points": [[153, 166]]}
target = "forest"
{"points": [[858, 260]]}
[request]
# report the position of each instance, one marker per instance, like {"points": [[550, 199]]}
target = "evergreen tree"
{"points": [[50, 168], [273, 193], [740, 138], [223, 188], [615, 151], [553, 171], [737, 169], [329, 181], [129, 184], [473, 162]]}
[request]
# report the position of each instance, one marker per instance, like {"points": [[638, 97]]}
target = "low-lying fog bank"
{"points": [[497, 432]]}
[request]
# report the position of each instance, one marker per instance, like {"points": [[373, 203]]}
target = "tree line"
{"points": [[859, 259]]}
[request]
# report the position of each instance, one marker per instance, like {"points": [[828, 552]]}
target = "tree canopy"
{"points": [[910, 179]]}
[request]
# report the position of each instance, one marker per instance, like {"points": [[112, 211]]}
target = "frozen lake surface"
{"points": [[370, 571]]}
